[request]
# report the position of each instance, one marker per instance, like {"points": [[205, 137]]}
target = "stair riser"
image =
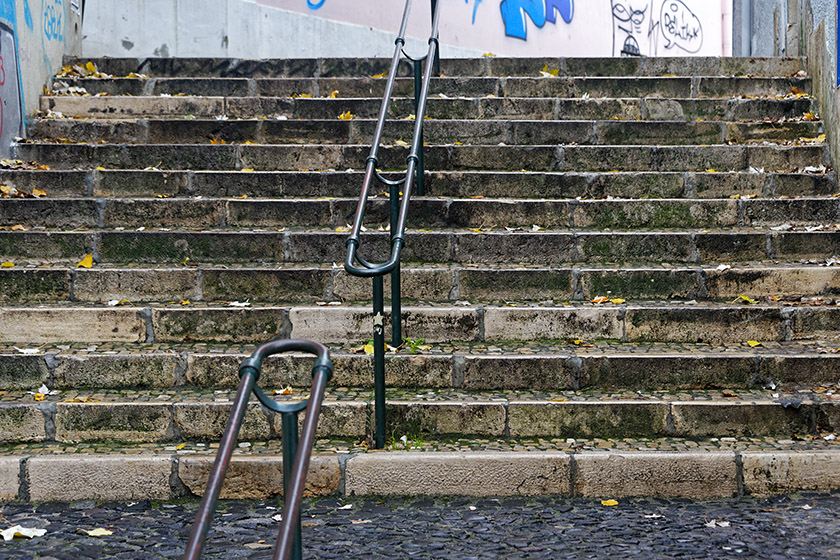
{"points": [[501, 66], [702, 88], [456, 184], [317, 284], [430, 247], [426, 213], [530, 158], [577, 370], [159, 422], [436, 132], [238, 105], [690, 324]]}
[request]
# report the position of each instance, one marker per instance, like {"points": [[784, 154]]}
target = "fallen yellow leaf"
{"points": [[217, 141], [490, 55], [184, 302], [39, 396], [600, 299], [161, 196], [400, 142], [617, 300], [18, 227], [368, 348], [334, 94], [86, 262], [90, 67], [747, 299], [346, 116], [241, 197], [285, 391], [38, 193], [98, 532], [753, 343], [609, 503], [7, 264], [248, 170], [101, 169], [546, 72], [382, 75], [181, 446]]}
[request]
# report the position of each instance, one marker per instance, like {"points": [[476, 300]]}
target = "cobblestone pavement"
{"points": [[801, 526]]}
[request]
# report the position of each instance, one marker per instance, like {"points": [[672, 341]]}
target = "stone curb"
{"points": [[691, 475]]}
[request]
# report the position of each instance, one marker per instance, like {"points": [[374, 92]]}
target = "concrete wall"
{"points": [[34, 37], [319, 28]]}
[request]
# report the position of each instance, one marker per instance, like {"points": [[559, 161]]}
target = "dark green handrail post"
{"points": [[437, 54], [379, 359], [396, 297], [418, 87], [289, 437]]}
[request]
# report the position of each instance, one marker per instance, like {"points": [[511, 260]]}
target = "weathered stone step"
{"points": [[476, 366], [216, 91], [721, 158], [660, 467], [513, 108], [632, 322], [485, 213], [148, 416], [636, 184], [489, 66], [459, 247], [524, 132], [302, 283]]}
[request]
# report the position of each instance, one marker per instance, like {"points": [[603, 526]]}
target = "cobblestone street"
{"points": [[802, 526]]}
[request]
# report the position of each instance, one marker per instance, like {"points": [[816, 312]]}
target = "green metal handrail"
{"points": [[356, 264], [295, 457]]}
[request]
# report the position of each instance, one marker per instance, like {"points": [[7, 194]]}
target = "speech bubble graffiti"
{"points": [[680, 26]]}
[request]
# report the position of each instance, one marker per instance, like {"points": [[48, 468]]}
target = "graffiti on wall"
{"points": [[654, 28], [11, 107], [53, 20], [515, 14]]}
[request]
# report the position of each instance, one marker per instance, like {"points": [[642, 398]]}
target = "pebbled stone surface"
{"points": [[787, 527]]}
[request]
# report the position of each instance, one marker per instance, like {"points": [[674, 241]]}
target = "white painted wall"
{"points": [[319, 28]]}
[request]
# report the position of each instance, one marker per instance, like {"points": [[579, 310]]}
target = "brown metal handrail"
{"points": [[295, 457]]}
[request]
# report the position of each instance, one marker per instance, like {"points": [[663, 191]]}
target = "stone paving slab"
{"points": [[786, 527]]}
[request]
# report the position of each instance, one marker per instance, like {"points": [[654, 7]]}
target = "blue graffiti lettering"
{"points": [[53, 20], [27, 15], [315, 4], [475, 8], [539, 11], [565, 7], [513, 15]]}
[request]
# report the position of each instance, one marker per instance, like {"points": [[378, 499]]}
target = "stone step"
{"points": [[714, 323], [458, 247], [135, 416], [511, 108], [721, 158], [603, 468], [524, 132], [473, 366], [312, 283], [485, 213], [278, 184], [487, 66], [208, 97]]}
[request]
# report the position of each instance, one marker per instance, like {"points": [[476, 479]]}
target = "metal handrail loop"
{"points": [[354, 263], [295, 456]]}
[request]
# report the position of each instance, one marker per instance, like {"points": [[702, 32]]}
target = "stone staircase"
{"points": [[621, 281]]}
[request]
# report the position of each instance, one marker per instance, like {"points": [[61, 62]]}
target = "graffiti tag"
{"points": [[680, 27], [315, 4], [539, 11], [53, 20]]}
